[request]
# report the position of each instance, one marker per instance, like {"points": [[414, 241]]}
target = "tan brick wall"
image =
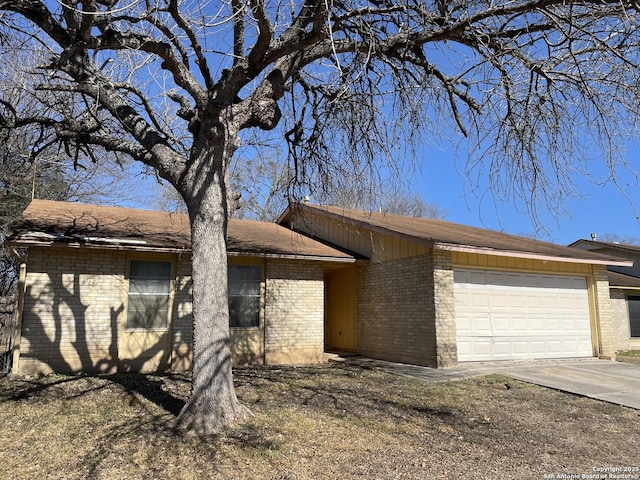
{"points": [[605, 328], [396, 311], [181, 353], [73, 303], [294, 312], [445, 314], [620, 320]]}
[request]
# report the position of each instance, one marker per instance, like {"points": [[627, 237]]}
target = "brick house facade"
{"points": [[109, 289], [89, 287], [77, 293], [411, 295]]}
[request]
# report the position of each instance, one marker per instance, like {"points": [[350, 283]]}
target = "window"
{"points": [[634, 316], [149, 290], [244, 295]]}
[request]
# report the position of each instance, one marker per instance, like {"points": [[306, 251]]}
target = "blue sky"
{"points": [[440, 179], [600, 209]]}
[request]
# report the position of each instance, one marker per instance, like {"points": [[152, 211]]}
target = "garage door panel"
{"points": [[521, 327], [516, 300], [483, 326], [478, 300], [520, 347], [463, 324], [556, 325], [536, 326], [509, 315], [499, 301], [556, 347], [501, 325], [464, 348], [502, 348], [576, 325]]}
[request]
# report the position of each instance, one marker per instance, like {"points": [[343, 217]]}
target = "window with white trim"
{"points": [[149, 295], [244, 295]]}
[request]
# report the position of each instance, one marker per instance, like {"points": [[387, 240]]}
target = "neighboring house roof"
{"points": [[443, 235], [46, 222], [596, 245], [622, 281]]}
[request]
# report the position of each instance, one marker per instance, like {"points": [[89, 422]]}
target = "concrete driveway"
{"points": [[612, 382], [605, 380]]}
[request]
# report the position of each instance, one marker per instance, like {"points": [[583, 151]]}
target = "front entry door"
{"points": [[341, 310]]}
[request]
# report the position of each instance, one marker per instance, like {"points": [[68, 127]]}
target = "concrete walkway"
{"points": [[605, 380]]}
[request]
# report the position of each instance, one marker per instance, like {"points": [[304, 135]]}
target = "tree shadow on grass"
{"points": [[15, 388], [336, 390], [153, 388]]}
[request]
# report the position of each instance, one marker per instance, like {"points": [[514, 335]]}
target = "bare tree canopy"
{"points": [[31, 168], [541, 88], [615, 238], [265, 187]]}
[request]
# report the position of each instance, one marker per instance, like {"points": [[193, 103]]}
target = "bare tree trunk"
{"points": [[213, 404]]}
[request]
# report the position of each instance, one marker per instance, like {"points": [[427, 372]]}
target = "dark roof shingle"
{"points": [[597, 245], [621, 280], [443, 234], [45, 222]]}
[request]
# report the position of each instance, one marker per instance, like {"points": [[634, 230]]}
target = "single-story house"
{"points": [[436, 293], [624, 284], [106, 289]]}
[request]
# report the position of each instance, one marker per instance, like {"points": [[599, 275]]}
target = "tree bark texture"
{"points": [[213, 404]]}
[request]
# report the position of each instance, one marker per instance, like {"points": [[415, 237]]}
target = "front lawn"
{"points": [[328, 422], [629, 356]]}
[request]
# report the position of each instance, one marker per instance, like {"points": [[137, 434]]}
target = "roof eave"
{"points": [[624, 287], [289, 256], [633, 249], [284, 216], [529, 255], [97, 246], [137, 247]]}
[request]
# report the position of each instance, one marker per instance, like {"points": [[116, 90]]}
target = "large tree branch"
{"points": [[113, 40], [298, 36], [90, 82], [265, 34], [109, 143], [266, 51], [70, 130], [40, 15], [201, 60], [151, 113], [237, 12]]}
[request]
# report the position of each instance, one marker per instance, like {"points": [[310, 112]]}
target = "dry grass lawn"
{"points": [[325, 422], [631, 356]]}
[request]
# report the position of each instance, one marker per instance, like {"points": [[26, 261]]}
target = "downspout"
{"points": [[17, 324]]}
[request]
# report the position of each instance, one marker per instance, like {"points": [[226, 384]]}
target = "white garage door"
{"points": [[509, 315]]}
